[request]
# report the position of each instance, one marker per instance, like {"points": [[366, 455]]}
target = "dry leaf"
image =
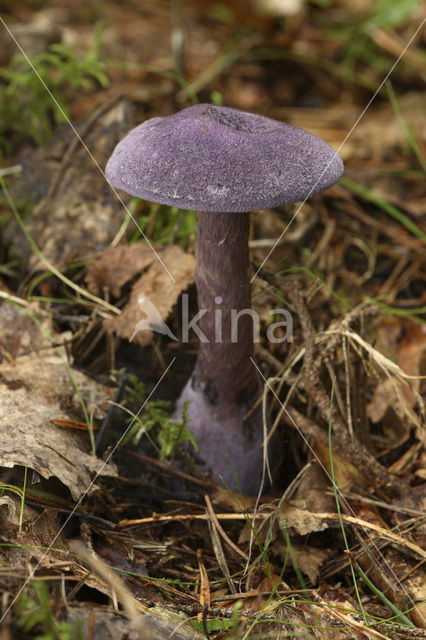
{"points": [[115, 266], [381, 400], [34, 389], [421, 466], [34, 540], [313, 490], [225, 499], [346, 476], [158, 288], [412, 351], [394, 399], [415, 585], [257, 598], [390, 406], [310, 559], [412, 588], [296, 517], [396, 574]]}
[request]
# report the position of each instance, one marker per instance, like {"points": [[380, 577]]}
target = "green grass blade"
{"points": [[392, 211]]}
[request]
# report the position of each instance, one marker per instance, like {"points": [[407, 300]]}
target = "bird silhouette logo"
{"points": [[153, 320]]}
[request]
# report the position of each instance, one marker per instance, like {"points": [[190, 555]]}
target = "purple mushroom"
{"points": [[223, 163]]}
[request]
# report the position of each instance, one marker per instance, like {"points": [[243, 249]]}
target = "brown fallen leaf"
{"points": [[294, 516], [412, 351], [301, 521], [411, 589], [346, 476], [309, 559], [158, 289], [225, 499], [258, 598], [34, 389], [313, 490], [265, 529], [396, 574], [389, 406], [394, 399], [9, 510], [115, 266]]}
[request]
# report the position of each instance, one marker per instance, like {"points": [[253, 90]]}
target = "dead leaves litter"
{"points": [[156, 286], [115, 266], [302, 521], [34, 389]]}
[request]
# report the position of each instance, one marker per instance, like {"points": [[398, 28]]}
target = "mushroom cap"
{"points": [[211, 158]]}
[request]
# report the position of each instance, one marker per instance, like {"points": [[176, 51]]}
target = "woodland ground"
{"points": [[122, 544]]}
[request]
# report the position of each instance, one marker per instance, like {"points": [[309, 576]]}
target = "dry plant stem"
{"points": [[350, 448], [219, 528], [266, 515], [130, 605]]}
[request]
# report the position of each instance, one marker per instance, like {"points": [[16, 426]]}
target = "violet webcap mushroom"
{"points": [[223, 163]]}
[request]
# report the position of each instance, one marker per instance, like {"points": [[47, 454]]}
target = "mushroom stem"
{"points": [[225, 384], [224, 371]]}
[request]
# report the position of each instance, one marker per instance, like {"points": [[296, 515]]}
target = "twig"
{"points": [[335, 517]]}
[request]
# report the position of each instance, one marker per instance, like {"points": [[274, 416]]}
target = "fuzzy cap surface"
{"points": [[211, 158]]}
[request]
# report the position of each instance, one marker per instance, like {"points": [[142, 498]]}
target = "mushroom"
{"points": [[223, 163]]}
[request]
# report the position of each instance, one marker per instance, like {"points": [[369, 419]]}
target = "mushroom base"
{"points": [[233, 449]]}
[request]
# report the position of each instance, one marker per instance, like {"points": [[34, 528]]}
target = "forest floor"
{"points": [[101, 537]]}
